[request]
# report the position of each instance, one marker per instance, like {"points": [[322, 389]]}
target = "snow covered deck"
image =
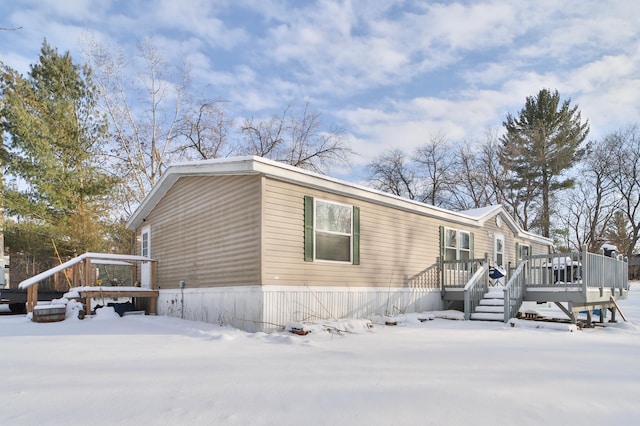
{"points": [[80, 273]]}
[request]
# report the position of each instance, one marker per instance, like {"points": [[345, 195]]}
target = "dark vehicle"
{"points": [[17, 298]]}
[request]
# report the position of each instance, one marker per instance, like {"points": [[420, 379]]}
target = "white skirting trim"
{"points": [[269, 308]]}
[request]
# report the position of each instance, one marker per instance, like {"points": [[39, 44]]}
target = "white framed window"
{"points": [[333, 228], [457, 244], [332, 231], [145, 250], [144, 244]]}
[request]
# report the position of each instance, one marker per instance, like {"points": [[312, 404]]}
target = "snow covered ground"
{"points": [[141, 370]]}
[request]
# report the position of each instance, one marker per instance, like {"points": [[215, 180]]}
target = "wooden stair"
{"points": [[491, 307]]}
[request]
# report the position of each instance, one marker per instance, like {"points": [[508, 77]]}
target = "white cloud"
{"points": [[464, 27], [407, 125], [391, 73], [198, 18]]}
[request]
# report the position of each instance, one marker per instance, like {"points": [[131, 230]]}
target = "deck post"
{"points": [[153, 301], [547, 272], [602, 259], [76, 275], [441, 266], [467, 305], [32, 297], [585, 270], [132, 275], [86, 265]]}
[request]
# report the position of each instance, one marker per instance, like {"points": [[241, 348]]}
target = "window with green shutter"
{"points": [[331, 231]]}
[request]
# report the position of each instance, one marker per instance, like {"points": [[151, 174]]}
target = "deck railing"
{"points": [[605, 272], [514, 290], [577, 269], [456, 273], [470, 276], [554, 270]]}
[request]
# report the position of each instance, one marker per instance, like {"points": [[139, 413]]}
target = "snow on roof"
{"points": [[481, 212]]}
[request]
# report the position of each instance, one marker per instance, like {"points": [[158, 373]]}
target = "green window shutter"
{"points": [[471, 246], [356, 235], [308, 228], [518, 254], [441, 242]]}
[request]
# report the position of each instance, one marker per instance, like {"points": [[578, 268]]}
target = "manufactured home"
{"points": [[255, 244]]}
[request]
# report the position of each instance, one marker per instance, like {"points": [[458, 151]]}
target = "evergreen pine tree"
{"points": [[53, 143], [541, 143]]}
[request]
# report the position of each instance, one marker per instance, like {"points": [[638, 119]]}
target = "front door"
{"points": [[498, 255], [145, 250]]}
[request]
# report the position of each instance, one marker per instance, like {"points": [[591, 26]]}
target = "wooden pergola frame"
{"points": [[83, 276]]}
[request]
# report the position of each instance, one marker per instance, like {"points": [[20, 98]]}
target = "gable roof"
{"points": [[252, 165]]}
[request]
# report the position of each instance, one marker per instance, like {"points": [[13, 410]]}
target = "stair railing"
{"points": [[475, 289], [514, 290]]}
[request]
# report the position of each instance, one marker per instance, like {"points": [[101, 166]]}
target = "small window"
{"points": [[145, 243], [450, 244]]}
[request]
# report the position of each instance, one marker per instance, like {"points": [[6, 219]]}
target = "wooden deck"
{"points": [[87, 294], [575, 282], [80, 273]]}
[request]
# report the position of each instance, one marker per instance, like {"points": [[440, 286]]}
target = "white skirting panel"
{"points": [[240, 307], [284, 304], [269, 308]]}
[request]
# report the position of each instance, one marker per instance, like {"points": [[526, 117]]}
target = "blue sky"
{"points": [[391, 73]]}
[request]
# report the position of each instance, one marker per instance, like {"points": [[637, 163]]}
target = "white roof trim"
{"points": [[284, 172], [484, 214]]}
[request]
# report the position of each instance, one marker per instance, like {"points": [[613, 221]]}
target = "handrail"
{"points": [[69, 263], [476, 277], [514, 291], [475, 289]]}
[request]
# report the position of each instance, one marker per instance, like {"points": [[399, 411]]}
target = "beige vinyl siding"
{"points": [[484, 242], [206, 231], [395, 245]]}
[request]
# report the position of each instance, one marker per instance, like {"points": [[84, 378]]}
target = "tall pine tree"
{"points": [[54, 139], [542, 142]]}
